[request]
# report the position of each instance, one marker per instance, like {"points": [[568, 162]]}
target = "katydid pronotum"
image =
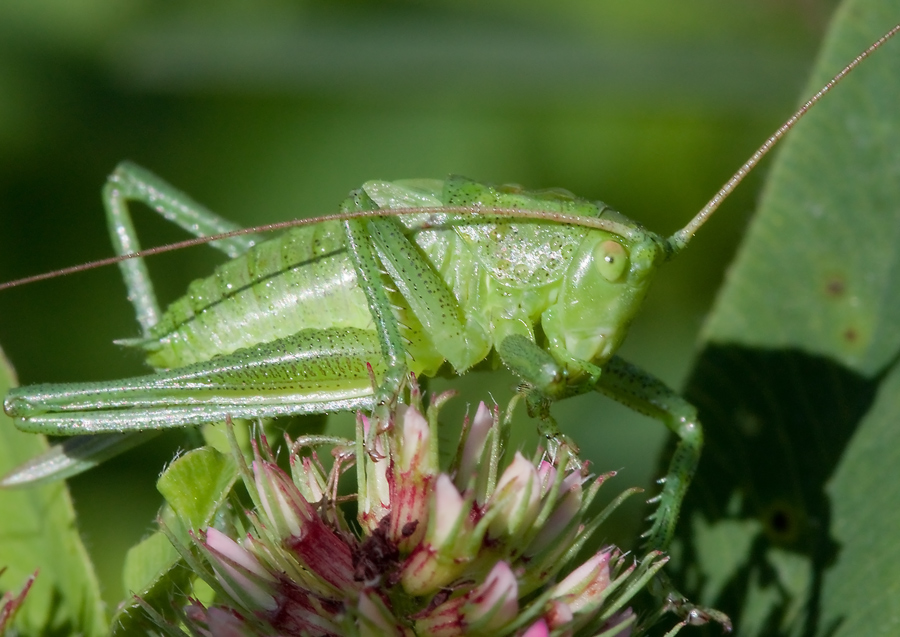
{"points": [[450, 284]]}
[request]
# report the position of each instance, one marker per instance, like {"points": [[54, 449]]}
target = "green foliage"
{"points": [[818, 269], [38, 533], [195, 487]]}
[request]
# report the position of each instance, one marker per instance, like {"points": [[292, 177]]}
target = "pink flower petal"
{"points": [[537, 629]]}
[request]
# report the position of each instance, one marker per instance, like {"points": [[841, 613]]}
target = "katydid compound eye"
{"points": [[611, 259]]}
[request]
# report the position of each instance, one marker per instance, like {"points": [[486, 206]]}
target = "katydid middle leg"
{"points": [[644, 393], [379, 247], [368, 275]]}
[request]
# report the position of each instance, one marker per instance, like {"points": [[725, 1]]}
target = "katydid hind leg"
{"points": [[130, 182], [312, 371], [165, 399]]}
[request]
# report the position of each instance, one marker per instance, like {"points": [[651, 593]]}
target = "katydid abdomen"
{"points": [[299, 280]]}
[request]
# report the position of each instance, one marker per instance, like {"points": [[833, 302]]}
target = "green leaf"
{"points": [[195, 486], [861, 588], [38, 532], [790, 525]]}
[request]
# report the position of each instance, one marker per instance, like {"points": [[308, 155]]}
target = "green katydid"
{"points": [[301, 323]]}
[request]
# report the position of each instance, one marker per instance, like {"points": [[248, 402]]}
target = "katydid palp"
{"points": [[291, 325]]}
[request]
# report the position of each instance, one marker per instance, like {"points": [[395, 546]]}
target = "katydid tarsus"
{"points": [[431, 276]]}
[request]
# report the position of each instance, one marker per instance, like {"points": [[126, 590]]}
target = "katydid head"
{"points": [[602, 291]]}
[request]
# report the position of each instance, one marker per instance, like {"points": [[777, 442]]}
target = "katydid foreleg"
{"points": [[632, 387], [643, 392]]}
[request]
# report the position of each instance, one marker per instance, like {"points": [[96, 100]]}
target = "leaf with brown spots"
{"points": [[790, 526]]}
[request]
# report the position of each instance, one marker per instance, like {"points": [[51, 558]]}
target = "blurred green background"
{"points": [[271, 110]]}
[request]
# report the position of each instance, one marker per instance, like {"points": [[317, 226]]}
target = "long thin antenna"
{"points": [[680, 239], [677, 241], [609, 225]]}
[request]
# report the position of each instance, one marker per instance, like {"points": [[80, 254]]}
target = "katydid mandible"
{"points": [[301, 323]]}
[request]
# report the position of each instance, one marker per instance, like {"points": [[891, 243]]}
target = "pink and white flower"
{"points": [[432, 553]]}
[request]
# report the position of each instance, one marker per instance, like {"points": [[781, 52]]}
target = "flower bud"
{"points": [[585, 588], [218, 621], [301, 530], [239, 572], [374, 496], [565, 510], [484, 610], [559, 617], [473, 453], [537, 629], [494, 603], [444, 552], [517, 499], [309, 478], [375, 619], [413, 472]]}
